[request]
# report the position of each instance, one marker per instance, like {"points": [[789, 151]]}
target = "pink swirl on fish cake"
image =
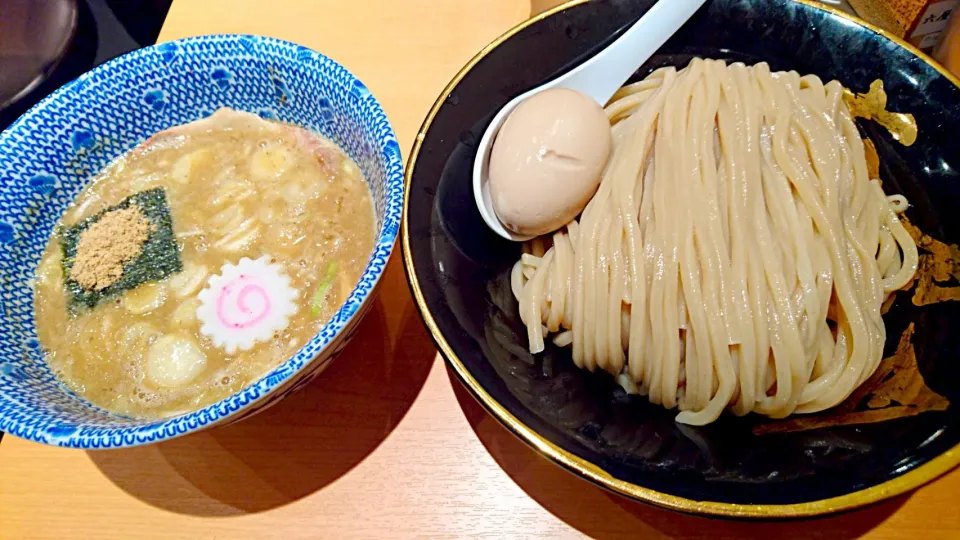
{"points": [[246, 303], [237, 305]]}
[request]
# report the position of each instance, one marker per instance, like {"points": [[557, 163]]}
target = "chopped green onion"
{"points": [[316, 304]]}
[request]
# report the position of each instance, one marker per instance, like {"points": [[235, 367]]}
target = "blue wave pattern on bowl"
{"points": [[55, 149]]}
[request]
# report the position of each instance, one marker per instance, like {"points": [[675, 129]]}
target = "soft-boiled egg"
{"points": [[547, 160]]}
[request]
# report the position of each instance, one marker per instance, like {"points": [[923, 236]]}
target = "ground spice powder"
{"points": [[115, 239]]}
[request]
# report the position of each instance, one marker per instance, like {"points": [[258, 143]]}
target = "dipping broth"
{"points": [[256, 231]]}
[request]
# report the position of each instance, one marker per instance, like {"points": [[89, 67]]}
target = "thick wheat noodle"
{"points": [[736, 254]]}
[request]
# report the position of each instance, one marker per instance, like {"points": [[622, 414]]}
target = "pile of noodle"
{"points": [[736, 255]]}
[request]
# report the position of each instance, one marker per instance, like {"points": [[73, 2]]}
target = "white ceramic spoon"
{"points": [[598, 77]]}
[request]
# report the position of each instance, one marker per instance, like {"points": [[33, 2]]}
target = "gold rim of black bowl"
{"points": [[895, 486]]}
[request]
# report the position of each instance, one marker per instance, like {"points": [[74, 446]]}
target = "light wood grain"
{"points": [[385, 444]]}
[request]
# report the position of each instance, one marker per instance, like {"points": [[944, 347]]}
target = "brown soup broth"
{"points": [[237, 186]]}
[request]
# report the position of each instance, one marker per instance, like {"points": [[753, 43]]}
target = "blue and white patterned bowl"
{"points": [[52, 152]]}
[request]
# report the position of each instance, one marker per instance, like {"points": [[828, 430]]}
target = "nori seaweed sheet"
{"points": [[159, 257]]}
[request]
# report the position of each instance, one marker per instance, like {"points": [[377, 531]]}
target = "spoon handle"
{"points": [[601, 76]]}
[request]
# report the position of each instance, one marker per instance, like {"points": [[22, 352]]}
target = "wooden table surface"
{"points": [[386, 443]]}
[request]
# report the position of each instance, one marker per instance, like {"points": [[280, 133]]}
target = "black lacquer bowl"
{"points": [[458, 271]]}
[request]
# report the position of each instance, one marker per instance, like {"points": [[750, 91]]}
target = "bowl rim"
{"points": [[349, 313], [912, 479]]}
